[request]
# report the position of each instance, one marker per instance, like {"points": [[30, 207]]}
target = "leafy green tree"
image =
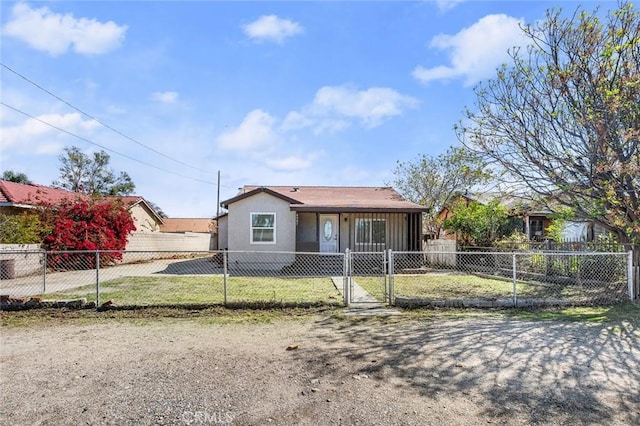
{"points": [[433, 181], [477, 224], [16, 177], [564, 118], [21, 229], [91, 174]]}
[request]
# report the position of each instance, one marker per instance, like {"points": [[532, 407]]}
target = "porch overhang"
{"points": [[328, 209]]}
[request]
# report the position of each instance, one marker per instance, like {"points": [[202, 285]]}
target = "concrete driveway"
{"points": [[52, 282]]}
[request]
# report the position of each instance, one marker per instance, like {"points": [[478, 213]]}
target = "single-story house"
{"points": [[320, 219], [534, 223], [188, 224], [191, 225], [16, 198]]}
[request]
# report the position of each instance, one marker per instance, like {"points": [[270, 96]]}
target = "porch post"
{"points": [[346, 287]]}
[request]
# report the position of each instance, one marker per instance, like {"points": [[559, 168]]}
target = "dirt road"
{"points": [[337, 371]]}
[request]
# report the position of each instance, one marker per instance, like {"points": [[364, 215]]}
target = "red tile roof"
{"points": [[336, 198], [29, 195], [21, 195]]}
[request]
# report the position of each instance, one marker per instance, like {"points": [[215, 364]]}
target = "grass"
{"points": [[459, 286], [153, 315], [131, 291]]}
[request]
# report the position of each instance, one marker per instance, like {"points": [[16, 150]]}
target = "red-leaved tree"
{"points": [[85, 224]]}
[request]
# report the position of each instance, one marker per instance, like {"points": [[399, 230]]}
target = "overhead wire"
{"points": [[97, 120], [106, 126], [102, 146]]}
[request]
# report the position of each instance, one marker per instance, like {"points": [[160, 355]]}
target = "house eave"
{"points": [[329, 209], [17, 205], [248, 194]]}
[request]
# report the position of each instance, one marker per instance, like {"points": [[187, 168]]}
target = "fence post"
{"points": [[345, 277], [630, 276], [44, 274], [391, 273], [97, 278], [515, 278], [224, 275]]}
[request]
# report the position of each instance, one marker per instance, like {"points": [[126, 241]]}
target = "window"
{"points": [[536, 229], [263, 228], [371, 231]]}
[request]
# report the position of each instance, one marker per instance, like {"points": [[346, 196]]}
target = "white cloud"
{"points": [[292, 162], [255, 130], [37, 136], [165, 97], [476, 51], [445, 5], [334, 107], [272, 28], [55, 33]]}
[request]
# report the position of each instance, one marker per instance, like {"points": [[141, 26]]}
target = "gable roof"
{"points": [[333, 198], [28, 196]]}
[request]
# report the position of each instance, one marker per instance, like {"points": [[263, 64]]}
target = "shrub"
{"points": [[20, 229], [86, 224]]}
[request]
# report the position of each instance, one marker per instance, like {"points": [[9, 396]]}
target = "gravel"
{"points": [[321, 370]]}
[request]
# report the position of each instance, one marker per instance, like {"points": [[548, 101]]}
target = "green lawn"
{"points": [[455, 286], [206, 290]]}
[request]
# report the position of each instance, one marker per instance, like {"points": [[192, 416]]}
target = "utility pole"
{"points": [[217, 215], [218, 200]]}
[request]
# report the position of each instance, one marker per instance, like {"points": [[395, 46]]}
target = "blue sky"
{"points": [[268, 93]]}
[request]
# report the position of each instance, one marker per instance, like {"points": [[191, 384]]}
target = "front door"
{"points": [[328, 233]]}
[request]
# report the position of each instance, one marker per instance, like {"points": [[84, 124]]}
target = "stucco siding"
{"points": [[143, 220], [239, 224], [223, 233]]}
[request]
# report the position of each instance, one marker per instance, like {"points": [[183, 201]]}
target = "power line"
{"points": [[102, 146], [99, 121]]}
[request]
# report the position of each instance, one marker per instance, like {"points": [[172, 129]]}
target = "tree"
{"points": [[21, 229], [478, 224], [91, 175], [85, 224], [16, 177], [157, 209], [433, 181], [564, 118]]}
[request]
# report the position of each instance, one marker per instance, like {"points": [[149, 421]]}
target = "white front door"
{"points": [[328, 233]]}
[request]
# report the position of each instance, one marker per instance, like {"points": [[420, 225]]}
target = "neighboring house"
{"points": [[184, 225], [144, 216], [320, 219], [16, 198], [188, 224], [532, 222]]}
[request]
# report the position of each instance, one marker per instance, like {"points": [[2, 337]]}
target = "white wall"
{"points": [[159, 241], [223, 233], [24, 263]]}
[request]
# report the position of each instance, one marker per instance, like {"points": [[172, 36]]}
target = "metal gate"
{"points": [[366, 278]]}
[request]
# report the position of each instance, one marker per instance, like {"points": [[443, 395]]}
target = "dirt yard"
{"points": [[336, 371]]}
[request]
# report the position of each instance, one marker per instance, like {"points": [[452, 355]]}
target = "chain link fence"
{"points": [[497, 279], [478, 279]]}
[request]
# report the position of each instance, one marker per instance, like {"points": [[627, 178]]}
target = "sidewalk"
{"points": [[362, 303]]}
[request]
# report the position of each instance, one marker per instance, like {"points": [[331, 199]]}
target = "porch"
{"points": [[335, 232]]}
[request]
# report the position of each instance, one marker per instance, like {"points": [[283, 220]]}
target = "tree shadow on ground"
{"points": [[546, 371]]}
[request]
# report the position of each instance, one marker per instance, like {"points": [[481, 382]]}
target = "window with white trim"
{"points": [[371, 231], [263, 228]]}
